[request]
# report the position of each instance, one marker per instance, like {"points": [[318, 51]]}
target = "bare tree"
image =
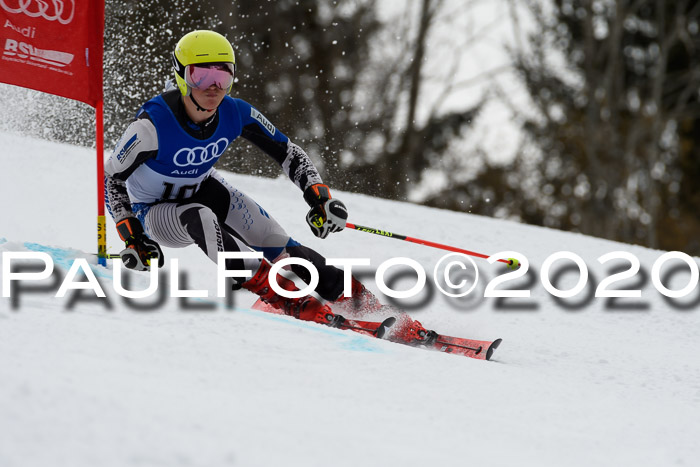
{"points": [[349, 87], [608, 113]]}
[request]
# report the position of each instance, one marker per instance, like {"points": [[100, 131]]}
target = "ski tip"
{"points": [[386, 324], [494, 345]]}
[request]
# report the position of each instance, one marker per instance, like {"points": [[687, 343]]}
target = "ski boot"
{"points": [[361, 302], [306, 308], [411, 332]]}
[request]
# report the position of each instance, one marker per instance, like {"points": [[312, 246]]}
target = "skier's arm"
{"points": [[138, 144], [327, 214], [293, 159]]}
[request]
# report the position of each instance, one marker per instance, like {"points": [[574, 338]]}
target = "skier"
{"points": [[162, 187]]}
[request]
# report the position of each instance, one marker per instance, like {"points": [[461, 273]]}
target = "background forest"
{"points": [[601, 99]]}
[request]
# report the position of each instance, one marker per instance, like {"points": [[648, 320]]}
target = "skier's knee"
{"points": [[193, 217]]}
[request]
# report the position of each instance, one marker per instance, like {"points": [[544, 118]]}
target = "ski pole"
{"points": [[511, 262], [107, 255]]}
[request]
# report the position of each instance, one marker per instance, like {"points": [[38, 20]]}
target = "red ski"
{"points": [[482, 350], [410, 332], [369, 328]]}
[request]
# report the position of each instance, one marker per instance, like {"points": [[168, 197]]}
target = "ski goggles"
{"points": [[202, 76]]}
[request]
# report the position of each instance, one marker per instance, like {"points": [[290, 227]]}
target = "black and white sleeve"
{"points": [[299, 168], [138, 143], [293, 159]]}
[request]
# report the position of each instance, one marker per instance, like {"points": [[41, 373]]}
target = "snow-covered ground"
{"points": [[577, 382]]}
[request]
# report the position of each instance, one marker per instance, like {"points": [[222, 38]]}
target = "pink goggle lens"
{"points": [[203, 76]]}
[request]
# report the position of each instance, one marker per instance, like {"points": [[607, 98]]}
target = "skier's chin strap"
{"points": [[199, 107]]}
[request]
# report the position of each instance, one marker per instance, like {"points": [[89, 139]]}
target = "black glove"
{"points": [[140, 249], [327, 214]]}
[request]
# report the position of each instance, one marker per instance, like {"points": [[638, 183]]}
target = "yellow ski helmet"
{"points": [[198, 47]]}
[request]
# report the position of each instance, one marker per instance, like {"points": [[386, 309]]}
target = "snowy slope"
{"points": [[577, 382]]}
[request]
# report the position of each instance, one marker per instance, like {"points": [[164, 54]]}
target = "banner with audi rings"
{"points": [[53, 46]]}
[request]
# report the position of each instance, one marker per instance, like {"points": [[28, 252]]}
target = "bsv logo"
{"points": [[24, 51], [127, 148], [200, 155], [62, 11]]}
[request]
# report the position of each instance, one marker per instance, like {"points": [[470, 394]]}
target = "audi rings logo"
{"points": [[62, 11], [200, 155]]}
